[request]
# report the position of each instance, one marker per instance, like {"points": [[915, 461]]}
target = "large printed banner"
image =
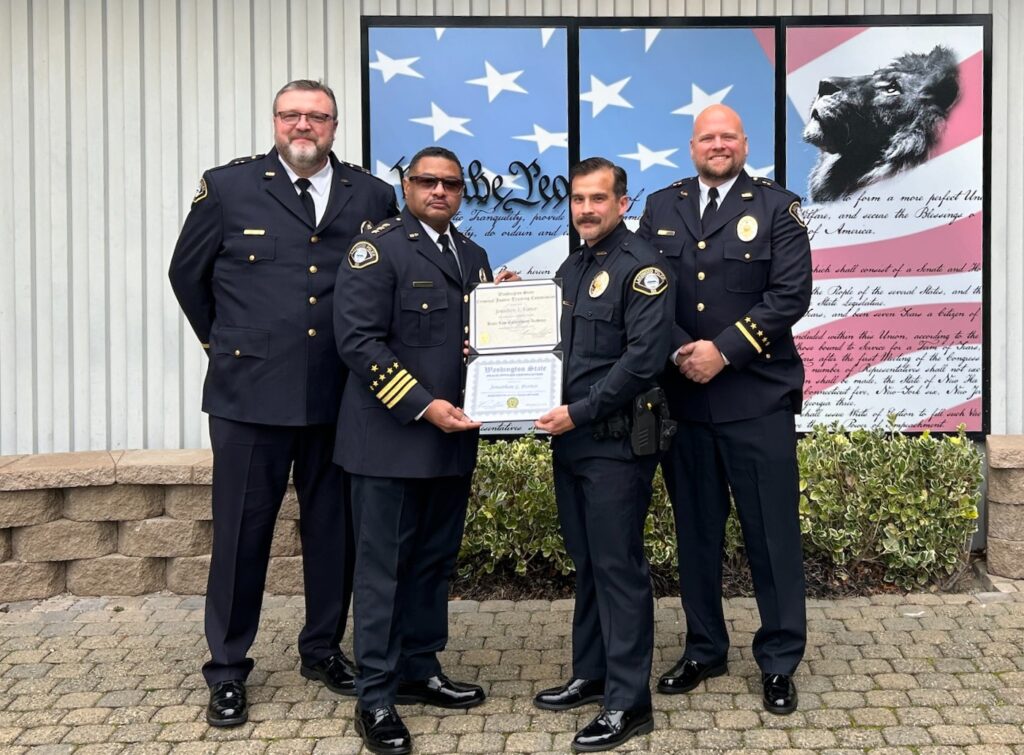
{"points": [[497, 98], [885, 141], [640, 90]]}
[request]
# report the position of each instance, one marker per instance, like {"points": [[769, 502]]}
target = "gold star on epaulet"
{"points": [[374, 368]]}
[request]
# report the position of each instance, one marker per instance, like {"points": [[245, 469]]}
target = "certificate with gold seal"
{"points": [[515, 316], [509, 387]]}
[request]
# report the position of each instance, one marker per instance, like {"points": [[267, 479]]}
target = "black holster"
{"points": [[652, 430]]}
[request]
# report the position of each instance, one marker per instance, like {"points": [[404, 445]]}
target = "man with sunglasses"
{"points": [[254, 271], [400, 318]]}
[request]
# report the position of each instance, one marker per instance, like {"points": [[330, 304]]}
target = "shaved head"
{"points": [[719, 145]]}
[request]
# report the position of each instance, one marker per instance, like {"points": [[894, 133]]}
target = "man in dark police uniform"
{"points": [[617, 306], [739, 250], [254, 272], [400, 320]]}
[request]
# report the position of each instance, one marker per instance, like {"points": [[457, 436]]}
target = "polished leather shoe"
{"points": [[611, 728], [228, 706], [382, 731], [779, 693], [687, 674], [572, 694], [441, 692], [335, 671]]}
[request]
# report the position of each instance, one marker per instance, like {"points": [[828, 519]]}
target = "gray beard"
{"points": [[302, 159]]}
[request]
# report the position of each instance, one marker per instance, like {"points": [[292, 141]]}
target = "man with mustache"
{"points": [[400, 319], [739, 249], [617, 305], [254, 271]]}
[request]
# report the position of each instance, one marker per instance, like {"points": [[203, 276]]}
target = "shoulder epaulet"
{"points": [[240, 161], [364, 171], [385, 226], [674, 185], [767, 183]]}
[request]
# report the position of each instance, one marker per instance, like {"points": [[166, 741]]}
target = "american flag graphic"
{"points": [[895, 324]]}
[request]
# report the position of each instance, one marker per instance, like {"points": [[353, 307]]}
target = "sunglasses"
{"points": [[451, 185]]}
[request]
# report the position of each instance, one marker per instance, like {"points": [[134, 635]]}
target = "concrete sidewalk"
{"points": [[890, 674]]}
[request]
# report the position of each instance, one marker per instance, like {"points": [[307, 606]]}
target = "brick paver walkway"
{"points": [[913, 674]]}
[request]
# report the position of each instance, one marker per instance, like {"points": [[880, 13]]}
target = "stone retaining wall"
{"points": [[119, 523], [1005, 500]]}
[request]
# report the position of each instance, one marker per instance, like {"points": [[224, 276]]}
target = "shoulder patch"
{"points": [[201, 191], [650, 281], [798, 216], [362, 254]]}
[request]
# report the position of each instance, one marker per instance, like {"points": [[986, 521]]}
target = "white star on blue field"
{"points": [[640, 90], [488, 94]]}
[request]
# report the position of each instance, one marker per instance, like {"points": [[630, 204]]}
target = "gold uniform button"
{"points": [[465, 300], [700, 306], [314, 239], [700, 276], [424, 305], [746, 256], [312, 332], [252, 258], [312, 300], [465, 329], [312, 269], [238, 353], [702, 244], [767, 356]]}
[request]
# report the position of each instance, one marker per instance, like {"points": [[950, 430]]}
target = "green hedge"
{"points": [[906, 505]]}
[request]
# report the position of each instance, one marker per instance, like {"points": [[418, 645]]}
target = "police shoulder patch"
{"points": [[798, 216], [650, 281], [201, 191], [362, 254]]}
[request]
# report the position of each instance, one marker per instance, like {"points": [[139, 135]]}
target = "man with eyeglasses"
{"points": [[400, 318], [254, 271]]}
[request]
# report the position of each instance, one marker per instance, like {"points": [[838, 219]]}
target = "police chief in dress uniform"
{"points": [[400, 320], [254, 271], [739, 250], [615, 332]]}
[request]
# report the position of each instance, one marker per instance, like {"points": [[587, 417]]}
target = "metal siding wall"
{"points": [[120, 105]]}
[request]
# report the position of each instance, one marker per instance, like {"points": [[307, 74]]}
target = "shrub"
{"points": [[904, 504]]}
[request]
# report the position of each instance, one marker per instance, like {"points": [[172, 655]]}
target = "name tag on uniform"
{"points": [[666, 232], [423, 284], [254, 232]]}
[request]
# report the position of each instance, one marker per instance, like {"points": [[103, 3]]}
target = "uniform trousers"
{"points": [[250, 475], [408, 533], [602, 506], [756, 459]]}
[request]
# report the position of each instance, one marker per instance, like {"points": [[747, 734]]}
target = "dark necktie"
{"points": [[306, 198], [450, 258], [710, 209]]}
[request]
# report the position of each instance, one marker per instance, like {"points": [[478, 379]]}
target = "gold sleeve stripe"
{"points": [[749, 337], [394, 386], [401, 394]]}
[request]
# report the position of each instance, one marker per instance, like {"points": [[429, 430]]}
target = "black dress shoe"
{"points": [[779, 693], [611, 728], [440, 691], [228, 706], [382, 731], [687, 674], [572, 694], [335, 671]]}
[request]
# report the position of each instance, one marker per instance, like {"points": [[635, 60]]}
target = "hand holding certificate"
{"points": [[514, 374]]}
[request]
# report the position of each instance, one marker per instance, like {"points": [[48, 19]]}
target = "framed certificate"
{"points": [[511, 387], [515, 316]]}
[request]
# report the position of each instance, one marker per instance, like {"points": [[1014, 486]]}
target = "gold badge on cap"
{"points": [[362, 254], [599, 284], [650, 281], [746, 228]]}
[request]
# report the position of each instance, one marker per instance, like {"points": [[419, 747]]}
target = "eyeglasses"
{"points": [[292, 117], [451, 185]]}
